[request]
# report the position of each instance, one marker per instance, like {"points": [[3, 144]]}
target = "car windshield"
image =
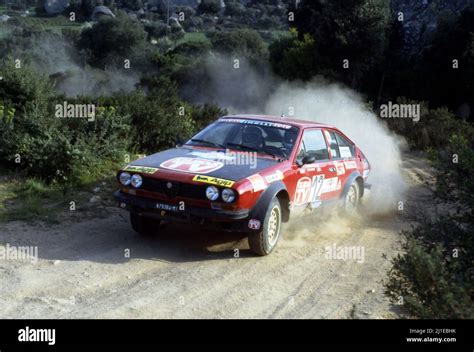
{"points": [[275, 139]]}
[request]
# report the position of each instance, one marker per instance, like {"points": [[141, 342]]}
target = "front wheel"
{"points": [[143, 225], [264, 241]]}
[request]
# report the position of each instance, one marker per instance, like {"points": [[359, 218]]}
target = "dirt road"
{"points": [[84, 271]]}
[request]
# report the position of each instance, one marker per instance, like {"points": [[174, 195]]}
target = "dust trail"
{"points": [[53, 55], [343, 108]]}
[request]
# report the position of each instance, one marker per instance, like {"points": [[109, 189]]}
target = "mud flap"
{"points": [[257, 215], [351, 179]]}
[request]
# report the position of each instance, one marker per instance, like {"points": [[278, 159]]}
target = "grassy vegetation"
{"points": [[193, 38], [29, 199]]}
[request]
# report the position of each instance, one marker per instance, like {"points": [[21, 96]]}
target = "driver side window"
{"points": [[313, 144]]}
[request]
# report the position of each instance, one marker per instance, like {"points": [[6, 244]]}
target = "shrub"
{"points": [[245, 42], [54, 149], [434, 129], [159, 119], [435, 274], [112, 39]]}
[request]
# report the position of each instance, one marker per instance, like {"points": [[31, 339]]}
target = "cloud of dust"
{"points": [[52, 55], [343, 108]]}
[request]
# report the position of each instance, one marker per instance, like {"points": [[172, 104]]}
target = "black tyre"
{"points": [[351, 199], [143, 225], [264, 241]]}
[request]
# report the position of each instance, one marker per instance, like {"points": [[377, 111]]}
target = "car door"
{"points": [[310, 180], [342, 154]]}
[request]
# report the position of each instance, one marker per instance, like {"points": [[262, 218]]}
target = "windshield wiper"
{"points": [[207, 142], [253, 149]]}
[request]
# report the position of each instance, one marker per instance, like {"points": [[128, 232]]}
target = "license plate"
{"points": [[166, 207]]}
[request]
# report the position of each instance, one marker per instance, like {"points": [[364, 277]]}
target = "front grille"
{"points": [[177, 189]]}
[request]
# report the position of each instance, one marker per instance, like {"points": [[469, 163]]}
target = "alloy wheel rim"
{"points": [[273, 226]]}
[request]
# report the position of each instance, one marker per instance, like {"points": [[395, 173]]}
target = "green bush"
{"points": [[435, 273], [293, 58], [159, 119], [243, 42], [110, 41], [433, 130], [38, 143], [205, 114]]}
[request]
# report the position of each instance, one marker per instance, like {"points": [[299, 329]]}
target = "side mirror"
{"points": [[307, 159]]}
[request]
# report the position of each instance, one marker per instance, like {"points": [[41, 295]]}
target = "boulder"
{"points": [[53, 7]]}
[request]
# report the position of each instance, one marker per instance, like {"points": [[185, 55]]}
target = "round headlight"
{"points": [[228, 195], [136, 181], [212, 193], [124, 178]]}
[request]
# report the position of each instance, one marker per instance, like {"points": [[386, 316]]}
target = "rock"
{"points": [[94, 199], [101, 11], [421, 18], [96, 190], [56, 262], [53, 7], [4, 18]]}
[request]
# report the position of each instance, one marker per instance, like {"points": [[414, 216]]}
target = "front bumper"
{"points": [[226, 219]]}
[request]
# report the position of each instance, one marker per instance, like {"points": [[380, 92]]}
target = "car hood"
{"points": [[216, 163]]}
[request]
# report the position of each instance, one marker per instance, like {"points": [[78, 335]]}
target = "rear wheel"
{"points": [[264, 241], [352, 199], [143, 225]]}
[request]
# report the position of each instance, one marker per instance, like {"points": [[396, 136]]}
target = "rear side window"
{"points": [[340, 146], [313, 144], [346, 149]]}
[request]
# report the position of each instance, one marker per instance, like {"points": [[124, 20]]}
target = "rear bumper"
{"points": [[233, 220]]}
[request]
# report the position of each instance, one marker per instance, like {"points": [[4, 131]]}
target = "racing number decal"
{"points": [[309, 190]]}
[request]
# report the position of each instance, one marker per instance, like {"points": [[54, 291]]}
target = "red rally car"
{"points": [[245, 173]]}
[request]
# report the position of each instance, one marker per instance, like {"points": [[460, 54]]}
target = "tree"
{"points": [[245, 42], [209, 6], [292, 58], [112, 40], [352, 30], [447, 65]]}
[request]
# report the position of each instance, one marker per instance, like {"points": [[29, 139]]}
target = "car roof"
{"points": [[279, 119]]}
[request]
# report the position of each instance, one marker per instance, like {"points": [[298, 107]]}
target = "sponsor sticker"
{"points": [[350, 164], [192, 165], [257, 182], [142, 169], [254, 224], [258, 123], [345, 152], [213, 181], [278, 175], [166, 207], [330, 185], [308, 190], [340, 168]]}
